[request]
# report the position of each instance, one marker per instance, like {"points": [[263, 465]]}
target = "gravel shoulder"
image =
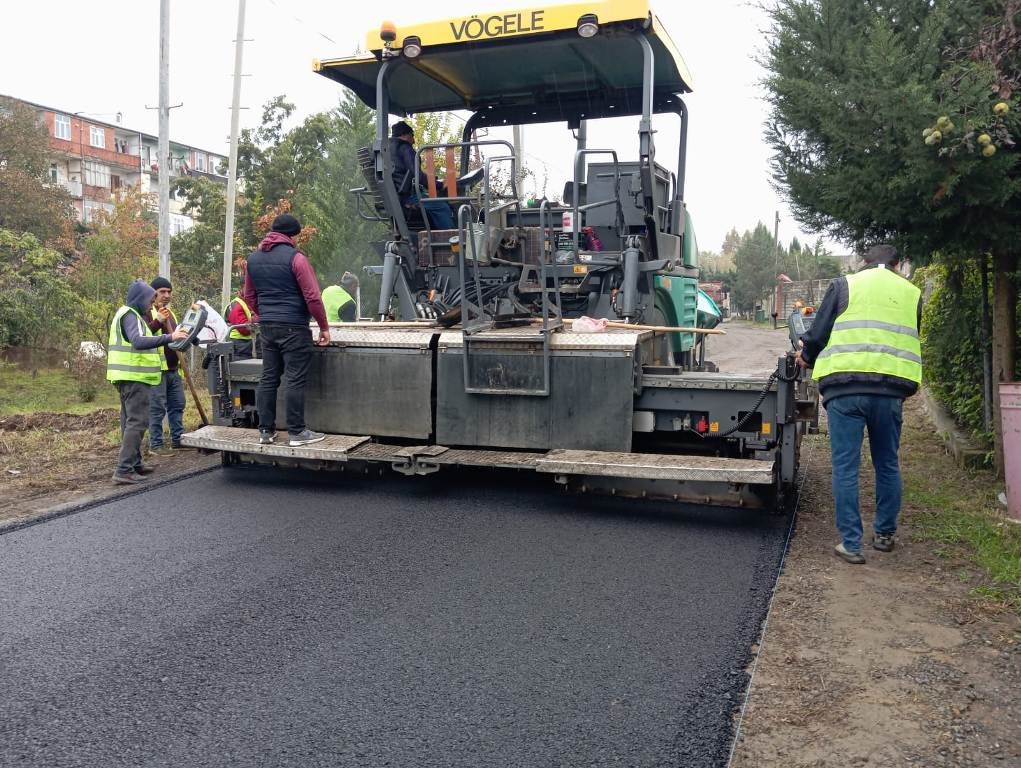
{"points": [[897, 662]]}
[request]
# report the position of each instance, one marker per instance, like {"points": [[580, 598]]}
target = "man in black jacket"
{"points": [[865, 351], [402, 153]]}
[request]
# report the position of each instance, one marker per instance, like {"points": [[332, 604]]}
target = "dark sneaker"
{"points": [[266, 438], [144, 469], [305, 438], [156, 450], [129, 479], [884, 542], [856, 558]]}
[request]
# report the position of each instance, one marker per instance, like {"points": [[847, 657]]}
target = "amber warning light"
{"points": [[388, 31]]}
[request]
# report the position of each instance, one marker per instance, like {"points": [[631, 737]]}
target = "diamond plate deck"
{"points": [[729, 381], [238, 440], [654, 466], [613, 339]]}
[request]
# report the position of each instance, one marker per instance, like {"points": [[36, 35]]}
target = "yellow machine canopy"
{"points": [[531, 64]]}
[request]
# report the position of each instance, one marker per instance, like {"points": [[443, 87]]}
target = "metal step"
{"points": [[656, 466], [238, 440]]}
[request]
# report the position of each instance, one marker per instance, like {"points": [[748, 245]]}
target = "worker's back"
{"points": [[270, 268]]}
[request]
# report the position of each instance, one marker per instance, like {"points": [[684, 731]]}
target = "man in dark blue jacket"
{"points": [[402, 153], [281, 288]]}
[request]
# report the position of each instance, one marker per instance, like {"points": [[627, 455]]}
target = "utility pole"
{"points": [[232, 162], [164, 139], [776, 266]]}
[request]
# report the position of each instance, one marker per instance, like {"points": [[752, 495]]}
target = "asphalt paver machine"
{"points": [[474, 358]]}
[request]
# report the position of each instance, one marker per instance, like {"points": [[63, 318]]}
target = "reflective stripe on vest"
{"points": [[335, 297], [124, 362], [154, 313], [236, 333], [878, 332]]}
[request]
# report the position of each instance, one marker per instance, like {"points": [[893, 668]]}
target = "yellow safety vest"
{"points": [[124, 362], [878, 332], [235, 333], [335, 297], [154, 313]]}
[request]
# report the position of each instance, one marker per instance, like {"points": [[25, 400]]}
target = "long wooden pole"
{"points": [[191, 387]]}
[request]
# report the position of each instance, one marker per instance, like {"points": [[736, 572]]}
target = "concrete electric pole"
{"points": [[164, 139], [232, 163]]}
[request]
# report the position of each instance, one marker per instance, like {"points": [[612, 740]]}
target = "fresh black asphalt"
{"points": [[267, 618]]}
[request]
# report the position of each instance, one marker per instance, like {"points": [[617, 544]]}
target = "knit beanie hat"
{"points": [[401, 128], [286, 224], [161, 282]]}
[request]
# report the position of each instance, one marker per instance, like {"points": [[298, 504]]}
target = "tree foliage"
{"points": [[883, 115], [755, 262], [28, 201], [37, 306]]}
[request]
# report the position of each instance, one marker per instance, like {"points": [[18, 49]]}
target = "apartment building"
{"points": [[94, 159]]}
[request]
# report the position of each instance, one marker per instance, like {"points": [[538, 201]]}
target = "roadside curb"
{"points": [[966, 451], [73, 507]]}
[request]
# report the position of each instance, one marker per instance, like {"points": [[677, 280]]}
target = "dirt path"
{"points": [[747, 348], [894, 663]]}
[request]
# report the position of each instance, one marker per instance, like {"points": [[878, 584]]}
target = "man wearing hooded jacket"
{"points": [[281, 288], [133, 364]]}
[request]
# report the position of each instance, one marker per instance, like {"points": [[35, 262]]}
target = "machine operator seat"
{"points": [[366, 164]]}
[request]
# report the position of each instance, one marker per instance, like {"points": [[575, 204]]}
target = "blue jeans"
{"points": [[440, 215], [166, 399], [848, 417]]}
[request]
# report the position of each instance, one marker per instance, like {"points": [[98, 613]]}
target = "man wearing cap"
{"points": [[341, 306], [402, 154], [166, 399], [133, 364], [281, 288], [867, 359]]}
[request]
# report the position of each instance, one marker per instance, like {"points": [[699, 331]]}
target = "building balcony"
{"points": [[74, 187]]}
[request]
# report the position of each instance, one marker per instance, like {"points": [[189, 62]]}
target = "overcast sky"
{"points": [[102, 58]]}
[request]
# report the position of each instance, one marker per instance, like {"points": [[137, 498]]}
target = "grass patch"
{"points": [[53, 389], [957, 511]]}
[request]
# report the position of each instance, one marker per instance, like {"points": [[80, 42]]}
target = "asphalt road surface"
{"points": [[287, 619]]}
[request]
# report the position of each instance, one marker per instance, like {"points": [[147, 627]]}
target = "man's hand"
{"points": [[324, 338], [799, 358], [179, 335]]}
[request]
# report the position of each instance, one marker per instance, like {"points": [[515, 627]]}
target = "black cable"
{"points": [[751, 411]]}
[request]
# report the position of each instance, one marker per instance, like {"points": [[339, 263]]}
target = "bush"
{"points": [[953, 341]]}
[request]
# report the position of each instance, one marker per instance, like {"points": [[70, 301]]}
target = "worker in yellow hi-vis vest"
{"points": [[865, 354], [133, 364]]}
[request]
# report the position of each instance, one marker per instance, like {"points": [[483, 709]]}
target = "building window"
{"points": [[97, 137], [200, 161], [53, 172], [62, 127], [97, 175], [179, 223]]}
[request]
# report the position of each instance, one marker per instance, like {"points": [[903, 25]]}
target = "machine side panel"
{"points": [[384, 392], [590, 406]]}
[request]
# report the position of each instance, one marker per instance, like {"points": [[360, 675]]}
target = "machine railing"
{"points": [[578, 209]]}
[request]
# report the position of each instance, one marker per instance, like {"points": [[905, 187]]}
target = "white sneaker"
{"points": [[305, 438]]}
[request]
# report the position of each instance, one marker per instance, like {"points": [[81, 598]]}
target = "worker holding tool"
{"points": [[282, 289], [166, 399], [238, 314], [133, 364], [867, 359], [339, 300]]}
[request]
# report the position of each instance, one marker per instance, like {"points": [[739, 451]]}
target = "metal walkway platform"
{"points": [[426, 459]]}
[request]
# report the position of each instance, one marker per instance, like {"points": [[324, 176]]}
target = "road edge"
{"points": [[81, 505]]}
